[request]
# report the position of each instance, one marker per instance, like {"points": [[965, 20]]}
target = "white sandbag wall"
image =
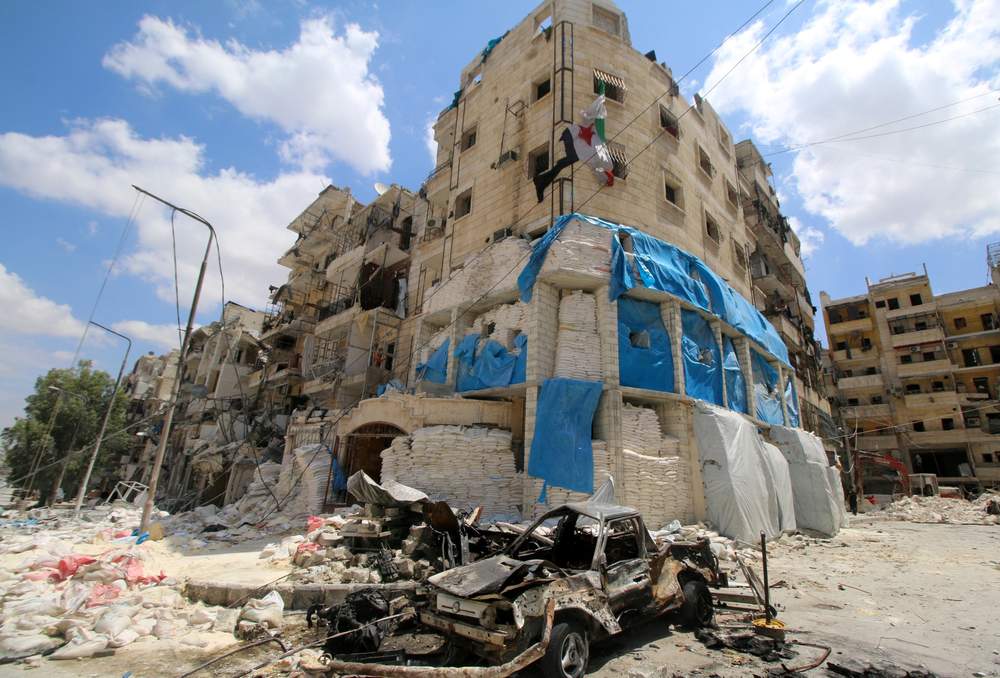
{"points": [[818, 494], [657, 480], [581, 248], [311, 463], [602, 471], [466, 466], [578, 346], [492, 273], [508, 320]]}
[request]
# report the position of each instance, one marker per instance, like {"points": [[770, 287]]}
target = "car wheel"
{"points": [[567, 653], [697, 610]]}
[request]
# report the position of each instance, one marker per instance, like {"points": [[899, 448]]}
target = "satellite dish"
{"points": [[380, 188]]}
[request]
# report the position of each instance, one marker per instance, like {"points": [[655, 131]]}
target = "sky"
{"points": [[242, 111]]}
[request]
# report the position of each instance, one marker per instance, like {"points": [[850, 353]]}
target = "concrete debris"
{"points": [[939, 510]]}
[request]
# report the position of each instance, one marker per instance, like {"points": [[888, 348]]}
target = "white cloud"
{"points": [[432, 147], [31, 313], [319, 91], [856, 64], [94, 164], [65, 245], [164, 336], [810, 238]]}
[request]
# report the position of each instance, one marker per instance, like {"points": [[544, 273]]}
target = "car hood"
{"points": [[482, 577]]}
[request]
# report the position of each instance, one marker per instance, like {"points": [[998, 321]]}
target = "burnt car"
{"points": [[599, 569]]}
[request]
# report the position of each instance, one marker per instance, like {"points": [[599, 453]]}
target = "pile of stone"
{"points": [[467, 466], [940, 510], [578, 346]]}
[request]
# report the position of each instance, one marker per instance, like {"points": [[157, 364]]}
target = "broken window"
{"points": [[920, 326], [853, 402], [987, 457], [712, 229], [463, 204], [913, 388], [614, 87], [469, 138], [981, 384], [705, 162], [937, 386], [995, 354], [840, 345], [669, 122], [622, 541], [928, 356], [916, 300], [987, 320], [740, 255], [731, 194], [639, 339]]}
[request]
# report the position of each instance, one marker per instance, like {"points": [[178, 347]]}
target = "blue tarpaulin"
{"points": [[702, 361], [338, 480], [736, 390], [489, 365], [644, 356], [792, 402], [766, 393], [436, 368], [561, 453], [664, 267]]}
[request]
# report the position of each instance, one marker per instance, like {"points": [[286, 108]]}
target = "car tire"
{"points": [[697, 610], [567, 653]]}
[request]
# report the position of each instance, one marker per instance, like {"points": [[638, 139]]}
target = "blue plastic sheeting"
{"points": [[664, 267], [436, 368], [766, 391], [339, 480], [561, 453], [521, 364], [490, 365], [389, 386], [792, 403], [702, 361], [650, 364], [736, 390]]}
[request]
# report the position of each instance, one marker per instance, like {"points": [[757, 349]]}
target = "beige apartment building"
{"points": [[375, 291], [916, 377]]}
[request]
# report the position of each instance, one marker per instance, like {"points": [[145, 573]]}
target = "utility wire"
{"points": [[177, 290]]}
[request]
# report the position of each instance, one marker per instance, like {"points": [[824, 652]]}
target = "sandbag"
{"points": [[81, 647], [267, 610], [819, 504]]}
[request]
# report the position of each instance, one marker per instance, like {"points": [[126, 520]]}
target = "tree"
{"points": [[31, 443]]}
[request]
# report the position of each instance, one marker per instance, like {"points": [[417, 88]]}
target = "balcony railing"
{"points": [[909, 338], [925, 367], [934, 399], [880, 411], [877, 443], [848, 326], [863, 381]]}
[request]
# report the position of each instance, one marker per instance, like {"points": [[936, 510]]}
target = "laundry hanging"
{"points": [[584, 142]]}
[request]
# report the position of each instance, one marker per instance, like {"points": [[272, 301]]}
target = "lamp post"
{"points": [[168, 418], [104, 423], [72, 441]]}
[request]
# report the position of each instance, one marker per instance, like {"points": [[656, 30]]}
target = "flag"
{"points": [[584, 142]]}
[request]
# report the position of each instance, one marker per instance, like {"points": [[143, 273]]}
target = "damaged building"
{"points": [[469, 325], [916, 377]]}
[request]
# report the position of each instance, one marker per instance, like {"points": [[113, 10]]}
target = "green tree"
{"points": [[30, 442]]}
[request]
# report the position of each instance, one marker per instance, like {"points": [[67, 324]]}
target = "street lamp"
{"points": [[104, 424], [168, 418], [72, 442]]}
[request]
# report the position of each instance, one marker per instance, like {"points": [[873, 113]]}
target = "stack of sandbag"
{"points": [[466, 466], [310, 468], [256, 500], [582, 248], [493, 271], [641, 430], [658, 487], [816, 489], [507, 320], [602, 471], [578, 346]]}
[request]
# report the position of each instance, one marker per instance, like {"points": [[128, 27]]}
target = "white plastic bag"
{"points": [[267, 610]]}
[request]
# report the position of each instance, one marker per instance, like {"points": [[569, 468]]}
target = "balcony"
{"points": [[789, 330], [935, 400], [956, 436], [863, 381], [880, 411], [926, 367], [848, 326], [877, 443], [855, 354], [922, 309], [934, 334]]}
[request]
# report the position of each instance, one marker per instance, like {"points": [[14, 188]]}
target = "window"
{"points": [[541, 88], [916, 300], [463, 204], [705, 162], [897, 329], [970, 357], [876, 400], [947, 424], [987, 457], [893, 304], [668, 121], [852, 402], [913, 388], [841, 345], [987, 319], [928, 355], [672, 192], [905, 359], [981, 384], [538, 160], [731, 194], [937, 386], [543, 20], [835, 316], [619, 160], [607, 20], [920, 326], [469, 138], [712, 229], [613, 86], [870, 370], [639, 339], [880, 303], [995, 354], [918, 426], [740, 255], [724, 138], [848, 373], [959, 323], [866, 344]]}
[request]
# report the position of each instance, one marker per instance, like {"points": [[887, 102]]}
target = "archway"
{"points": [[364, 445]]}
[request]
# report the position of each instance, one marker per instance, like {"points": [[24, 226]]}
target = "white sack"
{"points": [[267, 610], [732, 468]]}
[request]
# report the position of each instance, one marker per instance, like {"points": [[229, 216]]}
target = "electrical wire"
{"points": [[177, 289]]}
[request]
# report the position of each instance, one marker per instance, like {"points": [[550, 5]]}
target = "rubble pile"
{"points": [[940, 510], [578, 347], [83, 588], [432, 456], [494, 273]]}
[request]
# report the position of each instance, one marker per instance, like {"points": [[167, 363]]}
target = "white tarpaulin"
{"points": [[819, 498], [737, 490], [780, 481]]}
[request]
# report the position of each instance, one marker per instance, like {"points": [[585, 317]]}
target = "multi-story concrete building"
{"points": [[917, 376], [149, 387]]}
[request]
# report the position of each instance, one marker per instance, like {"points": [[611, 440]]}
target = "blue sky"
{"points": [[243, 111]]}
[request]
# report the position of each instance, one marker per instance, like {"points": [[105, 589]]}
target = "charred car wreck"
{"points": [[581, 573]]}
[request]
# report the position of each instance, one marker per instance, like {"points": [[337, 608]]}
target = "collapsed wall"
{"points": [[657, 479], [309, 467], [578, 347], [467, 466]]}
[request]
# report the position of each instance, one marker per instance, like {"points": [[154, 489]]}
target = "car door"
{"points": [[626, 570]]}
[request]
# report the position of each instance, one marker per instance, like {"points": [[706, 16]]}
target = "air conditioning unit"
{"points": [[507, 156], [952, 344], [501, 233], [914, 349]]}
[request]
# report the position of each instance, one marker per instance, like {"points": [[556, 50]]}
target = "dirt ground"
{"points": [[895, 593]]}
